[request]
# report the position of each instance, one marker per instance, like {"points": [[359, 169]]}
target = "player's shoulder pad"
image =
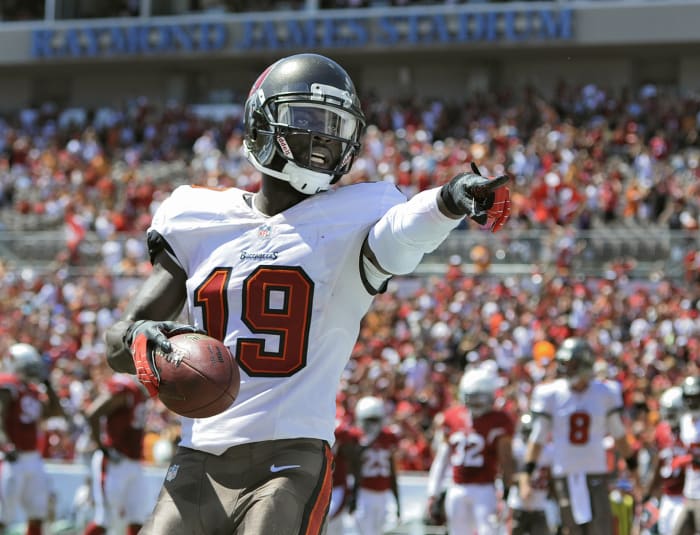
{"points": [[548, 389], [368, 195], [606, 388], [189, 203]]}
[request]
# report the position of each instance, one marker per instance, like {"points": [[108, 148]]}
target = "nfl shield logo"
{"points": [[264, 231], [172, 472]]}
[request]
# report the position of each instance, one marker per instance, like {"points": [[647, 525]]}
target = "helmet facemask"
{"points": [[478, 403], [671, 406], [309, 139], [575, 361]]}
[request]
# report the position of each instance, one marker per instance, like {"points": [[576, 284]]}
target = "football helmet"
{"points": [[477, 390], [303, 122], [671, 405], [575, 359], [369, 414], [691, 393], [26, 362]]}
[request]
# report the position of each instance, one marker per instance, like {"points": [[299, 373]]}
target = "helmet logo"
{"points": [[260, 80]]}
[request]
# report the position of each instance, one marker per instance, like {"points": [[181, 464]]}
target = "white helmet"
{"points": [[369, 408], [369, 414], [26, 361], [477, 390], [671, 405]]}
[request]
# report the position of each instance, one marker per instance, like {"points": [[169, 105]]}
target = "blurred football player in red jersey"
{"points": [[26, 399], [477, 444], [346, 457], [117, 419], [377, 482], [665, 477]]}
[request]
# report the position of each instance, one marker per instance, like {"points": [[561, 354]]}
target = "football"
{"points": [[199, 378]]}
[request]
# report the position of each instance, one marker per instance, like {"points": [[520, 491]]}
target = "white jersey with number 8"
{"points": [[578, 422]]}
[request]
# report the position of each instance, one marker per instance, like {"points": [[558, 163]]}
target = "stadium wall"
{"points": [[443, 51]]}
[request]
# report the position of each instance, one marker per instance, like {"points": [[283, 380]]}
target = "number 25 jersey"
{"points": [[283, 292], [578, 422]]}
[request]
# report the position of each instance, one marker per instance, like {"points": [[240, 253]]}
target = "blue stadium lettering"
{"points": [[152, 39], [130, 40], [388, 31]]}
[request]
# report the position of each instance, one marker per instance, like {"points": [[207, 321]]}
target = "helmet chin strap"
{"points": [[303, 180]]}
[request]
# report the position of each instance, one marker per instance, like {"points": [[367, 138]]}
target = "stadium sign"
{"points": [[268, 34]]}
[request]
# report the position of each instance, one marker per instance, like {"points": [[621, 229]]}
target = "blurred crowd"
{"points": [[584, 159]]}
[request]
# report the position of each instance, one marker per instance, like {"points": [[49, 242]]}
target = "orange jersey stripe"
{"points": [[320, 508]]}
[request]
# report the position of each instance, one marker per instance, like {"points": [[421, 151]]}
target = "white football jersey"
{"points": [[578, 423], [283, 292], [690, 437]]}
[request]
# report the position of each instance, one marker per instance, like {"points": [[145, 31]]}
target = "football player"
{"points": [[688, 518], [26, 399], [346, 462], [284, 277], [477, 446], [578, 412], [117, 419], [666, 476], [529, 517], [377, 482]]}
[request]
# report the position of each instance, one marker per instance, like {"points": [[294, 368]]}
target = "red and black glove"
{"points": [[484, 200], [9, 452], [144, 338], [435, 511]]}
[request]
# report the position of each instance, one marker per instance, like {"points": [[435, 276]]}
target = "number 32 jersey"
{"points": [[578, 422], [283, 292], [472, 441]]}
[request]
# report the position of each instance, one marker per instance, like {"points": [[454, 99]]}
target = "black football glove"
{"points": [[484, 200], [144, 338]]}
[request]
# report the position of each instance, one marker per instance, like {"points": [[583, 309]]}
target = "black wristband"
{"points": [[127, 339], [632, 462], [530, 467], [448, 200]]}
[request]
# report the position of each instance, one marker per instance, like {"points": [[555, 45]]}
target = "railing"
{"points": [[509, 252]]}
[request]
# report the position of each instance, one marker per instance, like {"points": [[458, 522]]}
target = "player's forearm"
{"points": [[54, 407], [532, 452], [408, 231]]}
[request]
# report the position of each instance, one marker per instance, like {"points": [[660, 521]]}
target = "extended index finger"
{"points": [[496, 183]]}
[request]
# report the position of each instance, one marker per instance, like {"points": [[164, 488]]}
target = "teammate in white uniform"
{"points": [[283, 277], [688, 520], [578, 412]]}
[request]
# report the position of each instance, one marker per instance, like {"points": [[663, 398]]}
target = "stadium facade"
{"points": [[445, 51]]}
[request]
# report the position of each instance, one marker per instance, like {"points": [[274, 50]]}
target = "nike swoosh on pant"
{"points": [[275, 469]]}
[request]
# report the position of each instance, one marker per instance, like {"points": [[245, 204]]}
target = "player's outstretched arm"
{"points": [[396, 244], [159, 299]]}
